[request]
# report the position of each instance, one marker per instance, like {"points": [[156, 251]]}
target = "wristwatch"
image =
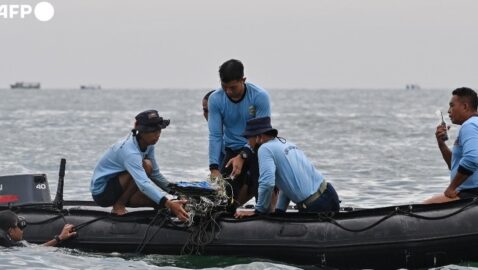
{"points": [[57, 239], [244, 154]]}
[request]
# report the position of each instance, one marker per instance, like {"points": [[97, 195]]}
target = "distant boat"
{"points": [[412, 86], [25, 85], [90, 86]]}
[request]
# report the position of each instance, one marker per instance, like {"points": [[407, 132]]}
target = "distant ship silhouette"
{"points": [[90, 86], [412, 86], [25, 85]]}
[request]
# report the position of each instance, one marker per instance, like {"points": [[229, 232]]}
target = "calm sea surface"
{"points": [[376, 146]]}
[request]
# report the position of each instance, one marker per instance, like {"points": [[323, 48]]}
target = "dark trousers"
{"points": [[468, 193], [327, 202], [249, 174]]}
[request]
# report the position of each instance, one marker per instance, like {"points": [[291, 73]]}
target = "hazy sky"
{"points": [[283, 44]]}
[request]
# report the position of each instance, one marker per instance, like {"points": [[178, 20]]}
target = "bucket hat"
{"points": [[257, 126]]}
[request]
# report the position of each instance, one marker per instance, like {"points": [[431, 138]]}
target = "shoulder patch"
{"points": [[252, 111]]}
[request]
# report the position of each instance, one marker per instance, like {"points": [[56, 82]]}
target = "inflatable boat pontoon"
{"points": [[405, 236]]}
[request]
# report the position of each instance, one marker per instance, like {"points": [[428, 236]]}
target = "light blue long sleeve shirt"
{"points": [[465, 153], [285, 166], [227, 119], [125, 155]]}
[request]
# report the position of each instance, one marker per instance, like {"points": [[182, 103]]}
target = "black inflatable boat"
{"points": [[406, 236]]}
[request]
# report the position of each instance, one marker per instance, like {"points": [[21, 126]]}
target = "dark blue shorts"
{"points": [[111, 194]]}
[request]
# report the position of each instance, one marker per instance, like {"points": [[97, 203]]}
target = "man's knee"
{"points": [[148, 166], [125, 179]]}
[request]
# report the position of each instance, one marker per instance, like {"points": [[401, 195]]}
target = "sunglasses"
{"points": [[21, 223]]}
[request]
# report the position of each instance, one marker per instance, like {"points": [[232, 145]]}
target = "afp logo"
{"points": [[43, 11]]}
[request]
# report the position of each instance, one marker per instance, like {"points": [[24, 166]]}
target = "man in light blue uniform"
{"points": [[229, 109], [128, 174], [463, 159], [284, 165]]}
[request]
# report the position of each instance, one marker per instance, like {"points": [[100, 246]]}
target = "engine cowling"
{"points": [[24, 189]]}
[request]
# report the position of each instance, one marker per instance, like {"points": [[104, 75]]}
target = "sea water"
{"points": [[377, 147]]}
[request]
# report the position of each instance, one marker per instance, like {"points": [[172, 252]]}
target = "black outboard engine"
{"points": [[16, 190]]}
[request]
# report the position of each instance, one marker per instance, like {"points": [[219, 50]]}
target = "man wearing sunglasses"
{"points": [[12, 226]]}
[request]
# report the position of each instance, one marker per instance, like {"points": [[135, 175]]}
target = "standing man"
{"points": [[128, 175], [230, 107], [462, 160], [284, 165]]}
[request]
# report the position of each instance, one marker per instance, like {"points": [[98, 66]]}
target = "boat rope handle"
{"points": [[333, 221], [439, 217], [84, 224], [46, 220], [398, 211]]}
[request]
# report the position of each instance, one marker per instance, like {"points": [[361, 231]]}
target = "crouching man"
{"points": [[284, 165], [128, 176]]}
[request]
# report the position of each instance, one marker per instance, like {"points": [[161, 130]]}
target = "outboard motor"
{"points": [[16, 190]]}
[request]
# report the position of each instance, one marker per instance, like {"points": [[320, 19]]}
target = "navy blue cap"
{"points": [[258, 126]]}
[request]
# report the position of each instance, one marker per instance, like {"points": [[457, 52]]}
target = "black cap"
{"points": [[9, 219], [149, 121], [258, 126]]}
